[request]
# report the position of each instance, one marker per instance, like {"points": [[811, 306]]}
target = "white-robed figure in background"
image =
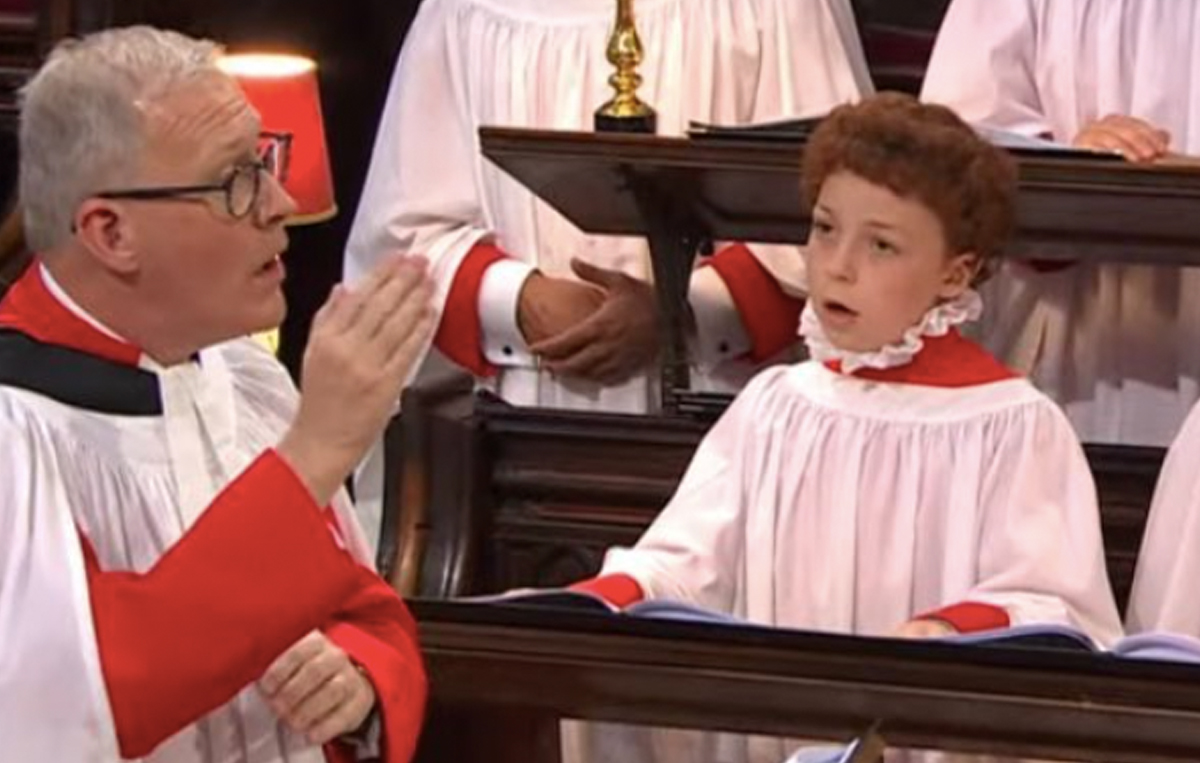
{"points": [[901, 482], [514, 309], [182, 579], [1164, 597], [1117, 345]]}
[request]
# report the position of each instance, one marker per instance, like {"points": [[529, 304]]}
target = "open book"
{"points": [[1168, 647], [584, 601], [1165, 647], [783, 130]]}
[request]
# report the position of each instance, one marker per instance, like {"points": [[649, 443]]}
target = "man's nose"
{"points": [[276, 204]]}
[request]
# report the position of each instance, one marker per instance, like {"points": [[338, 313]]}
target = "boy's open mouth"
{"points": [[833, 307]]}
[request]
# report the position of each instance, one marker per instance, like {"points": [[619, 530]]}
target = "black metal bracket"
{"points": [[675, 236]]}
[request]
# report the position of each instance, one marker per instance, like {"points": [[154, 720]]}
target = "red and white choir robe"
{"points": [[1164, 595], [852, 502], [528, 63], [156, 556], [532, 63], [1117, 345]]}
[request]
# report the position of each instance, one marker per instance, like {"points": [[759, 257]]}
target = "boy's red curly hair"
{"points": [[924, 152]]}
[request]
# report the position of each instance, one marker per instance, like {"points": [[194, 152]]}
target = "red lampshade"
{"points": [[284, 90]]}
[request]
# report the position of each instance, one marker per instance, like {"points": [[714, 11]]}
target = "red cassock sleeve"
{"points": [[460, 332], [257, 571], [770, 316], [619, 590], [970, 616], [377, 632]]}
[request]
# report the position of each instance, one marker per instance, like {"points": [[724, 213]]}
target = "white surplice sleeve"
{"points": [[693, 552], [421, 194], [1041, 554], [52, 699], [983, 66], [1164, 596], [812, 59]]}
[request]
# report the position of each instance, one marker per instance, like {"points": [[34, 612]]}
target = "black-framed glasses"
{"points": [[241, 187]]}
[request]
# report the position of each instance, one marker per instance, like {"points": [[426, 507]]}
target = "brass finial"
{"points": [[625, 112]]}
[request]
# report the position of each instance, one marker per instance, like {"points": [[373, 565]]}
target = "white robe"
{"points": [[1164, 586], [532, 63], [1117, 345], [134, 485], [828, 502]]}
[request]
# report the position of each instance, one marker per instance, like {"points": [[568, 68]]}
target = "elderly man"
{"points": [[181, 577]]}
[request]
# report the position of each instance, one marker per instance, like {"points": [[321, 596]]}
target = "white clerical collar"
{"points": [[968, 306]]}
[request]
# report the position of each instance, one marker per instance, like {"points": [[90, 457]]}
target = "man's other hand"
{"points": [[549, 306], [616, 341], [317, 690], [1133, 138], [924, 628]]}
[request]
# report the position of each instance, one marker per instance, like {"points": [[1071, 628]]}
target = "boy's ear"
{"points": [[960, 270]]}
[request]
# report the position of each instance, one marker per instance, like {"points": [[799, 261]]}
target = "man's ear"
{"points": [[958, 273], [104, 229]]}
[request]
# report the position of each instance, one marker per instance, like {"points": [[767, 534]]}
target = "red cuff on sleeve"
{"points": [[460, 333], [970, 617], [771, 317], [618, 590], [216, 610], [378, 634]]}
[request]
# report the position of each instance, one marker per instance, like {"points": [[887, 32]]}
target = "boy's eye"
{"points": [[822, 227], [883, 246]]}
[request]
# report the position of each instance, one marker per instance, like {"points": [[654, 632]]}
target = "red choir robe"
{"points": [[157, 555]]}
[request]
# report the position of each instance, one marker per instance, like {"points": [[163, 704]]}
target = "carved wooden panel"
{"points": [[1125, 480]]}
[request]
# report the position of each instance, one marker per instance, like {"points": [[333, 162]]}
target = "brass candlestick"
{"points": [[625, 112]]}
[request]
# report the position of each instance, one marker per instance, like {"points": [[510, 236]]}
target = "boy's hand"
{"points": [[924, 629]]}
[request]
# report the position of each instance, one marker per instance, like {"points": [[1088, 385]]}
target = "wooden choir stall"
{"points": [[482, 497]]}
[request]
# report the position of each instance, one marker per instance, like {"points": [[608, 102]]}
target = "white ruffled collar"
{"points": [[937, 322]]}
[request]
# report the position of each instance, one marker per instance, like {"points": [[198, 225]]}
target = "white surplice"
{"points": [[531, 63], [1164, 595], [134, 485], [1117, 345], [825, 501]]}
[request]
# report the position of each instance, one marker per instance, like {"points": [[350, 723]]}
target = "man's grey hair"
{"points": [[82, 129]]}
